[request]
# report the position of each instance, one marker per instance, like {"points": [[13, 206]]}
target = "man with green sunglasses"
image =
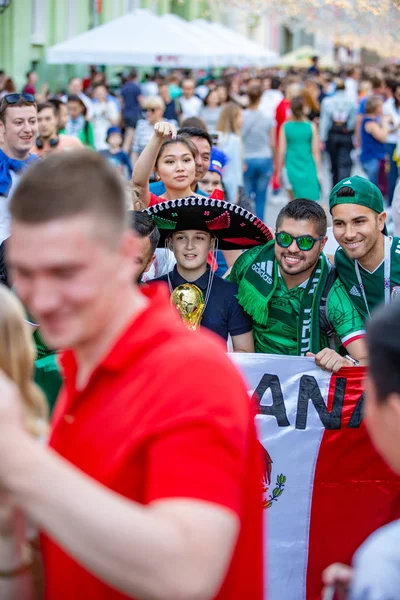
{"points": [[282, 284]]}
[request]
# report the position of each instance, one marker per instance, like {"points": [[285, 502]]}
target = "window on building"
{"points": [[71, 18], [38, 30], [131, 5]]}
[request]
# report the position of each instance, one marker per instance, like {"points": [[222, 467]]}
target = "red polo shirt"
{"points": [[164, 415]]}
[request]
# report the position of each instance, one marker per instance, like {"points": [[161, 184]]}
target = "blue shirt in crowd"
{"points": [[158, 188], [371, 148], [120, 160]]}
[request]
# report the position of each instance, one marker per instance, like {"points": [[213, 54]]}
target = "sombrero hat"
{"points": [[233, 226]]}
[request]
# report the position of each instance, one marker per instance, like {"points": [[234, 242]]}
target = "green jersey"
{"points": [[280, 335], [281, 317], [368, 290]]}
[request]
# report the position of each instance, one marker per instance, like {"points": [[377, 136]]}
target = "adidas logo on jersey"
{"points": [[354, 292], [348, 182], [264, 270]]}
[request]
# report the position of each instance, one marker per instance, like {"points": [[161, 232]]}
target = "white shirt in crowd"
{"points": [[149, 88], [163, 263], [351, 89], [377, 566], [269, 102], [103, 115], [389, 108], [331, 245], [191, 107], [5, 217]]}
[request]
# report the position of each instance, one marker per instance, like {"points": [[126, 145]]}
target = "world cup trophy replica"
{"points": [[189, 301]]}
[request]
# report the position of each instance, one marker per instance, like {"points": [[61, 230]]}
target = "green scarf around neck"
{"points": [[256, 274], [373, 283]]}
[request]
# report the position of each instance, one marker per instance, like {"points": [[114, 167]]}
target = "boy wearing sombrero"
{"points": [[191, 228], [368, 260]]}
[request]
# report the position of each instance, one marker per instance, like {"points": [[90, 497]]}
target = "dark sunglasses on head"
{"points": [[304, 242], [13, 98]]}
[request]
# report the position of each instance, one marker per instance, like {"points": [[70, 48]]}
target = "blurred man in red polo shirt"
{"points": [[150, 486]]}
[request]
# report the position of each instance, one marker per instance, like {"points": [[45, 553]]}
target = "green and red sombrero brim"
{"points": [[233, 226]]}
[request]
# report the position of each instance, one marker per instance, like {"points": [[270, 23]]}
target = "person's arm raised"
{"points": [[144, 165], [170, 549]]}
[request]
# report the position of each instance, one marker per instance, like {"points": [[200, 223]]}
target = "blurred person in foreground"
{"points": [[376, 565], [117, 522]]}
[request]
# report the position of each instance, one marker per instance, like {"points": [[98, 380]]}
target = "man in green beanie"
{"points": [[282, 284], [368, 260]]}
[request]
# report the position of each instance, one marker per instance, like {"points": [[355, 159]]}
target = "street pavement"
{"points": [[276, 202]]}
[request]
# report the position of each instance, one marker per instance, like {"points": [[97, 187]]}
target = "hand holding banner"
{"points": [[326, 488]]}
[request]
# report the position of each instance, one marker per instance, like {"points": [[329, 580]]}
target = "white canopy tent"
{"points": [[141, 38], [253, 53], [222, 53], [138, 38]]}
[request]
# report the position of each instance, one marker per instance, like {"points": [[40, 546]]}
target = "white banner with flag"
{"points": [[326, 489]]}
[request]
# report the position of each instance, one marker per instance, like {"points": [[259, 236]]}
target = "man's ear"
{"points": [[149, 264], [381, 221], [323, 243], [170, 243]]}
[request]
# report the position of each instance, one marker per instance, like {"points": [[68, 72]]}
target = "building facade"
{"points": [[28, 27]]}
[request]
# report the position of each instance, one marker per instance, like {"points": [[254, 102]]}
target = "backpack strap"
{"points": [[325, 325]]}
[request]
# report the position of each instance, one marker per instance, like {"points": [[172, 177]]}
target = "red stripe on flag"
{"points": [[354, 491]]}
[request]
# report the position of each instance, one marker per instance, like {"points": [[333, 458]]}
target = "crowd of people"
{"points": [[149, 485]]}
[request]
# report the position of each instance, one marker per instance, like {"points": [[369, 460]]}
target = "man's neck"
{"points": [[293, 281], [47, 138], [191, 275], [176, 194], [15, 154], [89, 355], [375, 256]]}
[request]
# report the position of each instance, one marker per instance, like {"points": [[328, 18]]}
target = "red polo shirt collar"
{"points": [[137, 337]]}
